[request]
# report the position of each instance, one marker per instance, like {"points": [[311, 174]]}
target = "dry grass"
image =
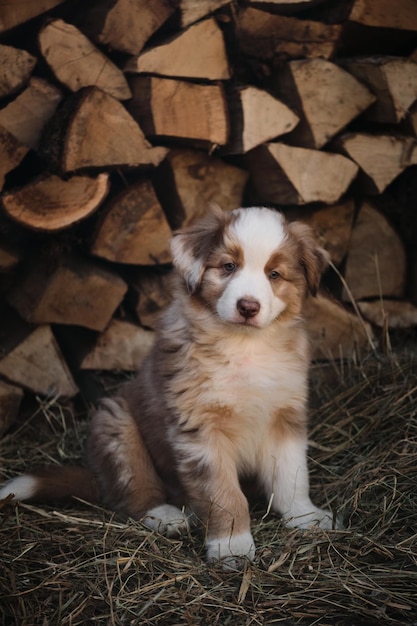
{"points": [[80, 564]]}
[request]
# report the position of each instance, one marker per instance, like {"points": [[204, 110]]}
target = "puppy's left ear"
{"points": [[314, 259], [191, 247]]}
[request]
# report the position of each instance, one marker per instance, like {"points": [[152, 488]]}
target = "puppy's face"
{"points": [[249, 266]]}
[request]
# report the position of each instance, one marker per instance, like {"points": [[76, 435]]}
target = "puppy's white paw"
{"points": [[312, 516], [166, 519], [231, 550]]}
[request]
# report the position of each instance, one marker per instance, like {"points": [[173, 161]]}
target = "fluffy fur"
{"points": [[221, 396]]}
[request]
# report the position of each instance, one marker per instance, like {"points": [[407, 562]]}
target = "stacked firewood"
{"points": [[122, 120]]}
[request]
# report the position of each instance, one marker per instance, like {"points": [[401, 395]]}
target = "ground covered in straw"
{"points": [[78, 564]]}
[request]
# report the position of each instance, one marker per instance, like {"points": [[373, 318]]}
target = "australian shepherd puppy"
{"points": [[221, 396]]}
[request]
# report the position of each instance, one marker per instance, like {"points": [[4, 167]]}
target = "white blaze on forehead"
{"points": [[259, 232]]}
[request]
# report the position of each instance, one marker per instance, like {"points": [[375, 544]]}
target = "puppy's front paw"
{"points": [[167, 520], [312, 516], [231, 550]]}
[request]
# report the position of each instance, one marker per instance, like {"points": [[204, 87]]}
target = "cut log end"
{"points": [[53, 204]]}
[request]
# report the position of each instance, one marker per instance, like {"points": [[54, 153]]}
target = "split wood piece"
{"points": [[193, 10], [376, 263], [199, 53], [167, 108], [51, 203], [15, 68], [134, 228], [37, 364], [400, 15], [77, 63], [332, 227], [389, 313], [10, 400], [256, 117], [334, 332], [263, 35], [14, 13], [77, 291], [93, 129], [188, 181], [381, 157], [149, 292], [12, 152], [288, 175], [122, 346], [9, 257], [325, 96], [125, 25], [28, 114], [286, 5], [393, 80]]}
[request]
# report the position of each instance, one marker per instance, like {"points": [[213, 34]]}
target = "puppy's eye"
{"points": [[274, 275], [229, 267]]}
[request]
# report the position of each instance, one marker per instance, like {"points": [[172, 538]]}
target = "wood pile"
{"points": [[122, 120]]}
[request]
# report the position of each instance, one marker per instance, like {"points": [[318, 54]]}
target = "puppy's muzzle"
{"points": [[248, 307]]}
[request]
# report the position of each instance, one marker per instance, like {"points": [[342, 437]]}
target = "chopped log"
{"points": [[134, 228], [332, 227], [389, 313], [188, 181], [167, 108], [401, 14], [393, 80], [193, 10], [286, 5], [9, 257], [37, 364], [15, 68], [125, 25], [78, 292], [325, 97], [376, 261], [334, 332], [94, 129], [122, 346], [27, 115], [12, 152], [381, 157], [10, 399], [149, 292], [77, 63], [263, 35], [290, 175], [199, 53], [51, 203], [14, 13], [256, 117]]}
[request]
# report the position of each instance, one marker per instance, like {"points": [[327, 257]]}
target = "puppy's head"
{"points": [[249, 266]]}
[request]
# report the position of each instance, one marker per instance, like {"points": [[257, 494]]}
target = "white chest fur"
{"points": [[256, 373]]}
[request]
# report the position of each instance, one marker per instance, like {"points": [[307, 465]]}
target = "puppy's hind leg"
{"points": [[125, 473]]}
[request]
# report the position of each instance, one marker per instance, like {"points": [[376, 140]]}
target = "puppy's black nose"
{"points": [[247, 307]]}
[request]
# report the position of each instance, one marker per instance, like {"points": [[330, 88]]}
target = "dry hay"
{"points": [[79, 564]]}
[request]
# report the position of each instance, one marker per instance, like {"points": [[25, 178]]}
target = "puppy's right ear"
{"points": [[192, 245]]}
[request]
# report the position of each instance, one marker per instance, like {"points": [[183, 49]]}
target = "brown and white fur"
{"points": [[221, 396]]}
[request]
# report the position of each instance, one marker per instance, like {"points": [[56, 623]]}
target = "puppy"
{"points": [[221, 396]]}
